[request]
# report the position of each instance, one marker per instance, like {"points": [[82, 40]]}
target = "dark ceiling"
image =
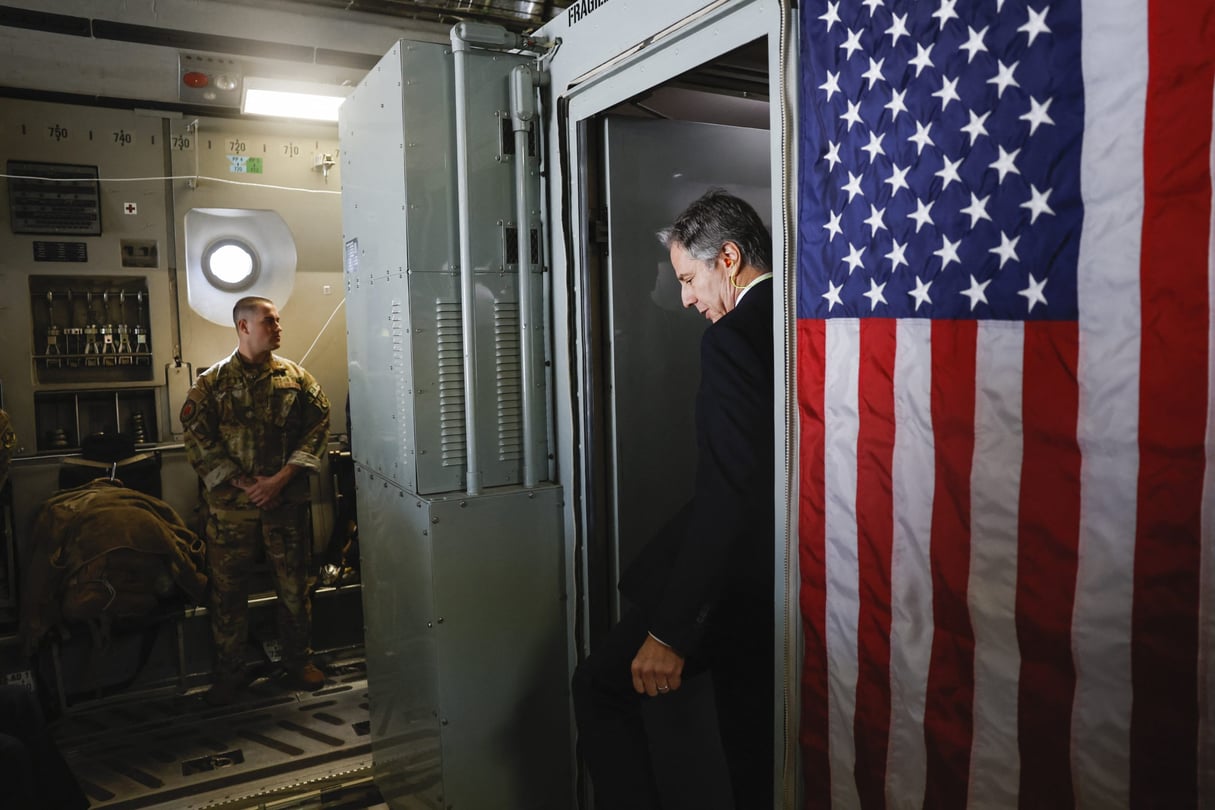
{"points": [[518, 15]]}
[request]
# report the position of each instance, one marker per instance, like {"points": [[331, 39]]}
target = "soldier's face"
{"points": [[264, 332]]}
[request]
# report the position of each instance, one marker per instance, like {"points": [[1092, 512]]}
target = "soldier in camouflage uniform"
{"points": [[8, 442], [253, 423]]}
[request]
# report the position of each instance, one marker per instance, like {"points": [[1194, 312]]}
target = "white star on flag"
{"points": [[949, 172], [922, 58], [948, 252], [920, 293], [875, 294], [948, 92], [921, 138], [852, 44], [874, 220], [874, 147], [833, 226], [1007, 250], [1038, 114], [853, 186], [896, 104], [874, 73], [976, 292], [832, 16], [946, 13], [897, 255], [853, 258], [977, 209], [833, 295], [977, 126], [898, 28], [898, 178], [853, 115], [1033, 293], [1004, 164], [832, 85], [833, 154], [922, 214], [1004, 78], [1037, 203], [974, 44], [1035, 25]]}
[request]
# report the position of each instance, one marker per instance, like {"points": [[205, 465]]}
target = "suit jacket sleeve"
{"points": [[734, 445]]}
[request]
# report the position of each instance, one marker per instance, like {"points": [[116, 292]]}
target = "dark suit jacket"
{"points": [[716, 556]]}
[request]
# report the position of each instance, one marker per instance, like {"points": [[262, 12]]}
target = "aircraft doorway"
{"points": [[650, 158]]}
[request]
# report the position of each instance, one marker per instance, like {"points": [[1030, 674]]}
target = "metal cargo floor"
{"points": [[270, 748]]}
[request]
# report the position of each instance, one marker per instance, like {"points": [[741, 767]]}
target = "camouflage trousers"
{"points": [[234, 537]]}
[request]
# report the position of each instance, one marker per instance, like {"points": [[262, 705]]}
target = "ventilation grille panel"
{"points": [[450, 353], [508, 376]]}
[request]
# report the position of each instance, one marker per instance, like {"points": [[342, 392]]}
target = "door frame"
{"points": [[646, 47]]}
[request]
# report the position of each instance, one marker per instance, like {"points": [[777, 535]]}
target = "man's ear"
{"points": [[731, 252]]}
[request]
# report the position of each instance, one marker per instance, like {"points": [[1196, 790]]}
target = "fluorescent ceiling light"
{"points": [[290, 99]]}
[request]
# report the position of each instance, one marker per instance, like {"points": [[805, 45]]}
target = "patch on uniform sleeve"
{"points": [[189, 409], [314, 390]]}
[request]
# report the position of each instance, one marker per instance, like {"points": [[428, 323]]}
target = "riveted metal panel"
{"points": [[469, 699], [398, 179], [406, 343], [400, 640], [438, 390], [490, 168], [503, 685]]}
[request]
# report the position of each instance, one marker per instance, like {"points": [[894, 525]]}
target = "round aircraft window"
{"points": [[230, 264]]}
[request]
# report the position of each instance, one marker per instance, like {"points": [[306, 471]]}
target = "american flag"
{"points": [[1004, 377]]}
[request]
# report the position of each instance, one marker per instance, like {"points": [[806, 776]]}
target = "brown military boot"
{"points": [[306, 677]]}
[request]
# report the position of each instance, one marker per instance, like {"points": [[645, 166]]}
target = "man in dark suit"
{"points": [[702, 589]]}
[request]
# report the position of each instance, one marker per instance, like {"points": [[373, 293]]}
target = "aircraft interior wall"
{"points": [[130, 263], [294, 170], [54, 402], [255, 165]]}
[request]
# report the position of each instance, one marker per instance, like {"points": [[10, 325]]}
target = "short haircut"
{"points": [[715, 218], [245, 306]]}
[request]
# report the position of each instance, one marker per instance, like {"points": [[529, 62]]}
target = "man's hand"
{"points": [[265, 489], [656, 668]]}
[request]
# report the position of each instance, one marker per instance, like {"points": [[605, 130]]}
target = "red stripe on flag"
{"points": [[949, 710], [812, 554], [875, 539], [1173, 404], [1047, 553]]}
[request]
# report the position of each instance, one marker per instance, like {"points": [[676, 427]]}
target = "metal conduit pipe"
{"points": [[467, 287], [522, 113], [462, 35]]}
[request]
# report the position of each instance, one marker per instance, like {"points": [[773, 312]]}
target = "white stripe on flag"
{"points": [[1206, 599], [913, 477], [841, 425], [1115, 60], [995, 485]]}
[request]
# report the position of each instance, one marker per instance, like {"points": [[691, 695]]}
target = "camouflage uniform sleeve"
{"points": [[8, 441], [315, 435], [204, 449]]}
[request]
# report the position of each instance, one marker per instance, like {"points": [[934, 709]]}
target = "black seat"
{"points": [[113, 456]]}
